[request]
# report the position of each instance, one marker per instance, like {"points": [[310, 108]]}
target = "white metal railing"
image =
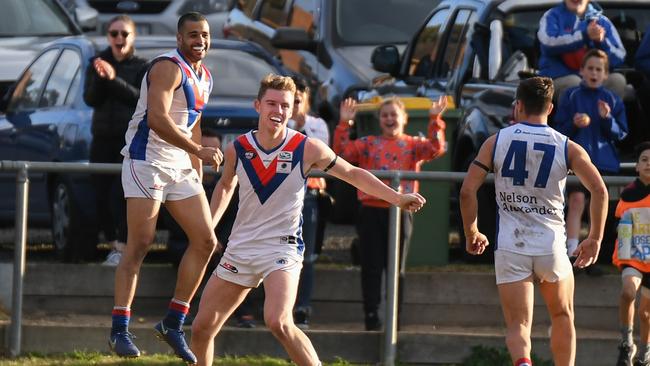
{"points": [[23, 168]]}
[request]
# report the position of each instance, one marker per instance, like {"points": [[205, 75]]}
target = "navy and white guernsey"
{"points": [[188, 102], [530, 165], [271, 195]]}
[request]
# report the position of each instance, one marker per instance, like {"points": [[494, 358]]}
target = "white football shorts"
{"points": [[512, 267], [251, 270], [141, 179]]}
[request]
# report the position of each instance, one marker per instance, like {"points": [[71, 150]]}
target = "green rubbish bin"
{"points": [[430, 241]]}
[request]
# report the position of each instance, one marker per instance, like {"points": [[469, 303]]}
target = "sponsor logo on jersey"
{"points": [[250, 155], [229, 267], [282, 261], [288, 240], [285, 156], [283, 167]]}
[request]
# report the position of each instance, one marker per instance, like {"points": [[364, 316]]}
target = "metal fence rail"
{"points": [[23, 168]]}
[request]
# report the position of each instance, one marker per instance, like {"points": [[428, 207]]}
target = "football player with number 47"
{"points": [[530, 162]]}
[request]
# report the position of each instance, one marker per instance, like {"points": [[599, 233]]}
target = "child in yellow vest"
{"points": [[632, 257]]}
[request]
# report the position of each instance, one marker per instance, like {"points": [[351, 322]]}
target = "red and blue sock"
{"points": [[176, 314], [524, 362], [121, 317]]}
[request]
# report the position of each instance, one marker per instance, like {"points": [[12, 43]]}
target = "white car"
{"points": [[26, 27]]}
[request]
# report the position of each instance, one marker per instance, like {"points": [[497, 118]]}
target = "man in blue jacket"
{"points": [[566, 32]]}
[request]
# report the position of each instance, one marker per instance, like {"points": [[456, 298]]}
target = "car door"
{"points": [[16, 126], [45, 123], [53, 128], [445, 60]]}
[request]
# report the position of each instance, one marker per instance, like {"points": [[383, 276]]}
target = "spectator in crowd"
{"points": [[112, 88], [317, 128], [392, 150], [629, 256], [642, 57], [566, 32], [642, 64], [530, 238], [594, 117]]}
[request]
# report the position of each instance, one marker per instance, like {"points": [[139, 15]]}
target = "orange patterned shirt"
{"points": [[404, 152]]}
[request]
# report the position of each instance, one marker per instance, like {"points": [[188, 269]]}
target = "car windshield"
{"points": [[20, 18], [235, 73], [371, 22]]}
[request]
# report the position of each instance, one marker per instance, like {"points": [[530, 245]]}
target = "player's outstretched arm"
{"points": [[222, 193], [580, 163], [475, 241], [320, 156]]}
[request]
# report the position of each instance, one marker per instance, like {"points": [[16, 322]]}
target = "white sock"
{"points": [[572, 245]]}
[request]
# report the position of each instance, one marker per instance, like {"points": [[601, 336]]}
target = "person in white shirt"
{"points": [[313, 218]]}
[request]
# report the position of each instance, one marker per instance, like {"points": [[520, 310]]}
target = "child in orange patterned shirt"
{"points": [[392, 150]]}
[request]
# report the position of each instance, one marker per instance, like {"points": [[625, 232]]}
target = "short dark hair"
{"points": [[192, 16], [640, 148], [301, 84], [595, 52], [536, 94], [276, 82]]}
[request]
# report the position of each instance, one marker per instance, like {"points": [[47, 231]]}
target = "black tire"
{"points": [[74, 236]]}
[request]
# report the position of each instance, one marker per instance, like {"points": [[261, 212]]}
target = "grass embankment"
{"points": [[92, 358]]}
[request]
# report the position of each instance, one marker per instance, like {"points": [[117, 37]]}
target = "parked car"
{"points": [[158, 17], [26, 26], [327, 41], [476, 51], [46, 119]]}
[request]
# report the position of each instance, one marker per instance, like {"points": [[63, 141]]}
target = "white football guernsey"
{"points": [[188, 102], [530, 167], [271, 194]]}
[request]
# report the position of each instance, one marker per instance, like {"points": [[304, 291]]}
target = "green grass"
{"points": [[94, 358]]}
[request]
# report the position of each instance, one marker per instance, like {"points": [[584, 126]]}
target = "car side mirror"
{"points": [[385, 59], [87, 18], [293, 38]]}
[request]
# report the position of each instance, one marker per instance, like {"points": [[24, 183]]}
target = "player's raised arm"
{"points": [[320, 156]]}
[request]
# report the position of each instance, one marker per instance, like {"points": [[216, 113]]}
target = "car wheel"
{"points": [[74, 238]]}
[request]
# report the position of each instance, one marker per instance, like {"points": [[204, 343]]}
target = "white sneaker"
{"points": [[113, 258]]}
